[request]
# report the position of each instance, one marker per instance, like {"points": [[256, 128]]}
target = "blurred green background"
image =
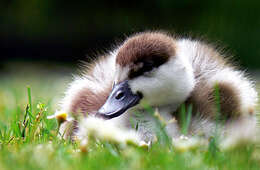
{"points": [[58, 31], [42, 43]]}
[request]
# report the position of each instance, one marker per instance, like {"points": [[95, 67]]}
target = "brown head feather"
{"points": [[155, 47]]}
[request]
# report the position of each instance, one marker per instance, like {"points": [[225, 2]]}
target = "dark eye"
{"points": [[143, 68], [147, 66]]}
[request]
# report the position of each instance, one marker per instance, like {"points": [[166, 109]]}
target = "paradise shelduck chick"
{"points": [[165, 72]]}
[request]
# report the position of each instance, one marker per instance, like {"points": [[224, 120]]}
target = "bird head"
{"points": [[147, 67]]}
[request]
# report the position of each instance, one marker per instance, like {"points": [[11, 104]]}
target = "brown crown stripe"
{"points": [[147, 45]]}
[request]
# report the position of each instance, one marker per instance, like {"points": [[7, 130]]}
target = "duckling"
{"points": [[164, 72]]}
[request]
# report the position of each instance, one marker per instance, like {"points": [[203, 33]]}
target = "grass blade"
{"points": [[185, 118], [29, 101]]}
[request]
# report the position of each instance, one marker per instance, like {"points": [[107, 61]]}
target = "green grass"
{"points": [[28, 140]]}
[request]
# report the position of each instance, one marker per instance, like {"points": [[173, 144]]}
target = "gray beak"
{"points": [[120, 99]]}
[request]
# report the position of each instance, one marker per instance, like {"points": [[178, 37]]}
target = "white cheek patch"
{"points": [[171, 83]]}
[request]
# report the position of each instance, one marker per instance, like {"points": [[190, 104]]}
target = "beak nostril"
{"points": [[120, 95]]}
